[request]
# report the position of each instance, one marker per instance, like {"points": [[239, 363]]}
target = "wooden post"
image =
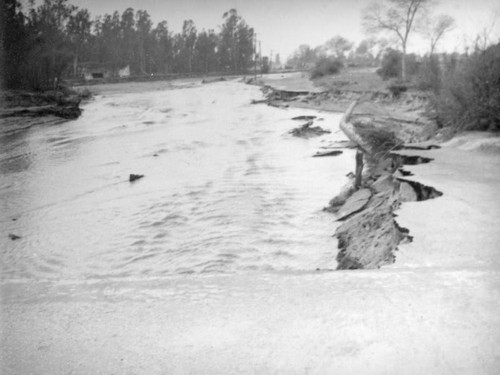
{"points": [[362, 146], [359, 168]]}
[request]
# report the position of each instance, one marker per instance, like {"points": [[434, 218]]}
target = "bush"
{"points": [[428, 77], [326, 66], [470, 94], [396, 87], [391, 65]]}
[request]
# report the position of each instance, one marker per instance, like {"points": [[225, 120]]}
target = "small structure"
{"points": [[124, 72], [96, 71]]}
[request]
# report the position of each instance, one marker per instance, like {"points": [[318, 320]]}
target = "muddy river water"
{"points": [[207, 265], [226, 188]]}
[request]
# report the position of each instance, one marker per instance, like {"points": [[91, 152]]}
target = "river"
{"points": [[226, 188], [207, 265]]}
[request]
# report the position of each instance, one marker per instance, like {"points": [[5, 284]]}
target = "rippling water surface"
{"points": [[226, 189]]}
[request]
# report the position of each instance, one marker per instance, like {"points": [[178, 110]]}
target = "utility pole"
{"points": [[271, 61], [260, 57], [255, 57]]}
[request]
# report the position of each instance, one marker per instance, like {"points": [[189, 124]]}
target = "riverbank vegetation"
{"points": [[461, 90], [54, 40]]}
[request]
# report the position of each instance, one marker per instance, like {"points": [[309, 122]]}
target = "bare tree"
{"points": [[396, 17], [434, 28]]}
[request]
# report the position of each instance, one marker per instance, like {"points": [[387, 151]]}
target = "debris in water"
{"points": [[308, 131], [328, 153], [14, 237], [135, 177], [304, 118]]}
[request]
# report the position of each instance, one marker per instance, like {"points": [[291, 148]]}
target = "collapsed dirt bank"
{"points": [[62, 104], [406, 114], [369, 235], [22, 109]]}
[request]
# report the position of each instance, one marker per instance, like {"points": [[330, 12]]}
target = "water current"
{"points": [[226, 188]]}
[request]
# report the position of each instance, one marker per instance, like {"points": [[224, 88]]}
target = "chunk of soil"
{"points": [[354, 203], [368, 239], [369, 235], [308, 131]]}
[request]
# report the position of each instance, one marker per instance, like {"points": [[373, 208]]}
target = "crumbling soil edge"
{"points": [[369, 237]]}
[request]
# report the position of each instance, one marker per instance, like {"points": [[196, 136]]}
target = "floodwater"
{"points": [[208, 264], [226, 188]]}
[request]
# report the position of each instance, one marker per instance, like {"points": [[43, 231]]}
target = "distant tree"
{"points": [[108, 42], [366, 46], [205, 51], [162, 54], [50, 49], [189, 35], [396, 17], [127, 41], [433, 28], [364, 53], [79, 32], [245, 46], [143, 40], [235, 49], [303, 57], [338, 46], [53, 38], [13, 43]]}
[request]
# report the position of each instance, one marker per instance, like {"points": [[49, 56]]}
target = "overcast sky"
{"points": [[282, 25]]}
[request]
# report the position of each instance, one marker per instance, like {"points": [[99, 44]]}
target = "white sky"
{"points": [[282, 25]]}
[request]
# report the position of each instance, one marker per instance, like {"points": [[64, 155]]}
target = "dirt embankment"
{"points": [[407, 113], [62, 104], [379, 126]]}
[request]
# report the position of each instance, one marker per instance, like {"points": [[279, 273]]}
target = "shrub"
{"points": [[326, 66], [396, 87], [391, 64], [470, 94], [428, 77]]}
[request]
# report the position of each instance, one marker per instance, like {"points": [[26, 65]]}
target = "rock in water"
{"points": [[14, 237], [354, 203], [135, 177]]}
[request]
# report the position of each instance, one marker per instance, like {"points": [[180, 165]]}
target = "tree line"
{"points": [[56, 39], [395, 19]]}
